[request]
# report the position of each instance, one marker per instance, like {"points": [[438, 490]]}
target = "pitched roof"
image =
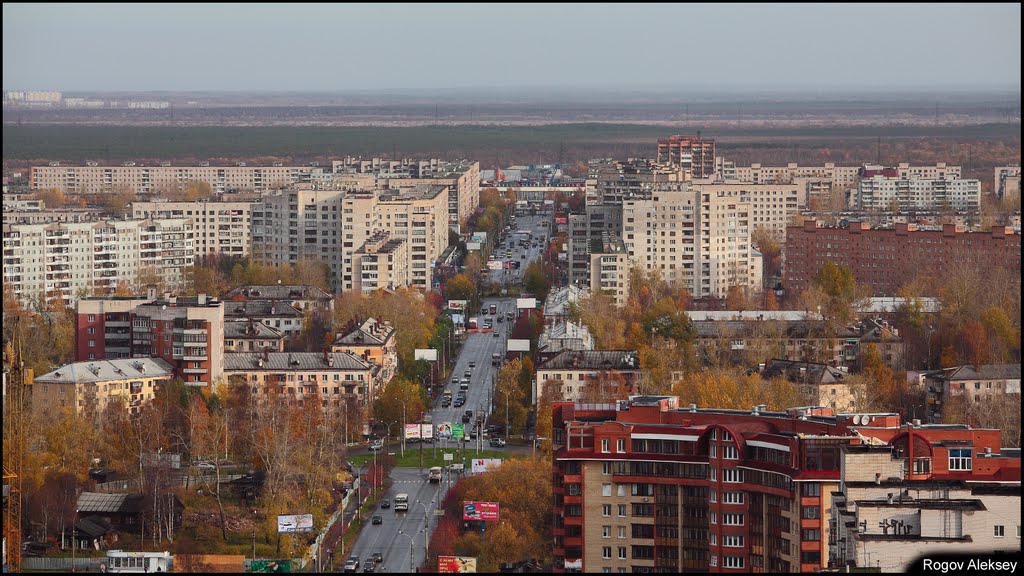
{"points": [[98, 502], [249, 328], [983, 372], [792, 329], [593, 360], [93, 526], [261, 309], [371, 332], [287, 361], [104, 370], [798, 371], [279, 292]]}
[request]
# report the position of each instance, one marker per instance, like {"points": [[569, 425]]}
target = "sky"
{"points": [[366, 47]]}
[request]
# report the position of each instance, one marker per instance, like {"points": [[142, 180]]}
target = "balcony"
{"points": [[194, 370], [574, 520]]}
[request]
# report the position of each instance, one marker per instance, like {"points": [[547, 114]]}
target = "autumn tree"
{"points": [[52, 198], [841, 295], [389, 408], [510, 398], [460, 287], [119, 199]]}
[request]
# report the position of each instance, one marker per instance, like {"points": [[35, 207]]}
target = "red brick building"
{"points": [[690, 153], [886, 259], [646, 486]]}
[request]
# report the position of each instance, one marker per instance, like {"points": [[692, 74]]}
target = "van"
{"points": [[435, 474]]}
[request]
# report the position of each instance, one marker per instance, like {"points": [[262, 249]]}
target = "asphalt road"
{"points": [[506, 250]]}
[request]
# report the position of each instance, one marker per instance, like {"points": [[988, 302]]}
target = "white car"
{"points": [[205, 465]]}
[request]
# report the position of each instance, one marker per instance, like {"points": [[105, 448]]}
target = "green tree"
{"points": [[388, 407]]}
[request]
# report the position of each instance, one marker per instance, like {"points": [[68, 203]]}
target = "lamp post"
{"points": [[929, 359], [403, 427], [506, 418], [74, 568], [426, 525], [412, 551], [254, 535]]}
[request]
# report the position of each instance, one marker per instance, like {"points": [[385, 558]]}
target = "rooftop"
{"points": [[261, 308], [105, 370], [593, 360], [279, 292], [248, 328], [797, 371], [288, 361]]}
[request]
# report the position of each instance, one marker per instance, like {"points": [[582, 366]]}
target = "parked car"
{"points": [[472, 364], [385, 504], [497, 442], [376, 445], [205, 465], [377, 519]]}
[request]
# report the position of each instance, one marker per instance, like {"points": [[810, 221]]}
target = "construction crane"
{"points": [[16, 381]]}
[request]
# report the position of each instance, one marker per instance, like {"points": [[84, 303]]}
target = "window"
{"points": [[606, 468], [732, 519], [622, 552], [622, 508], [606, 510], [713, 496], [732, 475], [713, 539], [731, 541], [91, 330], [959, 459], [810, 512], [622, 531], [810, 557], [811, 535], [606, 445], [620, 445], [732, 561], [810, 489], [606, 490], [92, 343], [606, 531], [714, 560], [622, 489], [997, 531], [606, 552], [729, 452], [732, 498]]}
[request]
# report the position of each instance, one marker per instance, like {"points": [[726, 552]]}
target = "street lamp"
{"points": [[426, 524], [254, 535], [403, 427], [412, 550]]}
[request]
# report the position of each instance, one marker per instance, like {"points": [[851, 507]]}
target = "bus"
{"points": [[402, 503], [122, 561]]}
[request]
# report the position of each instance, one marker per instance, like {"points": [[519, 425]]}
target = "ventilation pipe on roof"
{"points": [[693, 407], [917, 423], [889, 498]]}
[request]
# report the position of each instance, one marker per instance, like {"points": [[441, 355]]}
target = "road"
{"points": [[423, 496], [505, 250]]}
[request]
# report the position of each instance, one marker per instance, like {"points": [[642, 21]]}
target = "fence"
{"points": [[63, 564]]}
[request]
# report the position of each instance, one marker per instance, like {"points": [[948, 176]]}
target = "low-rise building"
{"points": [[818, 384], [576, 371], [372, 340], [278, 314], [90, 387], [971, 383], [251, 336], [332, 380], [300, 297]]}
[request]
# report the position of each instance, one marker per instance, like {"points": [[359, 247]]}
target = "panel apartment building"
{"points": [[644, 485], [879, 193], [96, 179], [222, 228], [462, 176], [886, 259], [693, 154], [332, 225], [67, 260]]}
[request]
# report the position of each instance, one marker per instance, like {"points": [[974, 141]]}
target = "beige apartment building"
{"points": [[839, 176], [609, 272], [1006, 185], [381, 262], [89, 387], [772, 206], [298, 223], [96, 179], [879, 193], [305, 378], [222, 228], [70, 260]]}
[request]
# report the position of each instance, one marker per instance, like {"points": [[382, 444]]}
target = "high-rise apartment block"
{"points": [[1007, 183], [886, 259], [635, 178], [222, 228], [693, 154], [66, 260], [645, 485], [878, 193]]}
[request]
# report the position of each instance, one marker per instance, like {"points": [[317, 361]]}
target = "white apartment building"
{"points": [[70, 260], [840, 176], [96, 179], [881, 193], [222, 228], [633, 179], [772, 206], [293, 224]]}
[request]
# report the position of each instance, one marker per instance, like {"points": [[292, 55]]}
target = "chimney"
{"points": [[151, 294], [917, 423], [266, 354], [889, 498], [878, 478], [202, 299]]}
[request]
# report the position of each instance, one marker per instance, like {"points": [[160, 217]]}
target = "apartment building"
{"points": [[970, 383], [906, 195], [46, 216], [381, 262], [886, 259], [187, 332], [221, 228], [103, 326], [374, 341], [68, 260], [644, 485], [882, 520], [278, 314], [299, 223], [90, 387], [609, 270], [691, 153], [252, 336], [772, 206], [299, 297], [817, 384], [587, 235], [635, 178], [577, 370], [1006, 185], [462, 177], [95, 179], [332, 380]]}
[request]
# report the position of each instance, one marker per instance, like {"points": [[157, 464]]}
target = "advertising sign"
{"points": [[471, 246], [457, 430], [494, 264], [526, 303], [428, 354], [480, 511], [561, 220], [457, 304], [444, 430], [453, 564], [412, 431], [517, 345], [482, 464], [294, 523], [428, 430], [271, 566]]}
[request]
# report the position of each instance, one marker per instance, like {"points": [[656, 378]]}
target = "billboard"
{"points": [[515, 345], [457, 304], [494, 264], [428, 354], [458, 430], [479, 237], [443, 430], [271, 566], [471, 246], [294, 523], [561, 220], [453, 564], [480, 511], [482, 464], [526, 303]]}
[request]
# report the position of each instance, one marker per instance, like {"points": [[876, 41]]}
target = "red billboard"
{"points": [[480, 511], [455, 564]]}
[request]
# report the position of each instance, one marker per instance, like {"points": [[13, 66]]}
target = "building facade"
{"points": [[1006, 185], [577, 370], [96, 179], [88, 388], [693, 154], [374, 341], [970, 383], [886, 259], [907, 195], [304, 379], [221, 228]]}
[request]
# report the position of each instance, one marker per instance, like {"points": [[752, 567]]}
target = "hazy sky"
{"points": [[317, 47]]}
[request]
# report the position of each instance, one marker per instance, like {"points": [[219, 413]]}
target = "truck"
{"points": [[472, 323], [435, 474], [402, 503], [496, 359]]}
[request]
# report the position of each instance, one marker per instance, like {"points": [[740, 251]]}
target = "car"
{"points": [[459, 403], [412, 440], [465, 419], [376, 445], [467, 373], [472, 364], [385, 504], [497, 334], [497, 442], [455, 381], [377, 557], [500, 319], [446, 402], [472, 434], [377, 519], [469, 413], [205, 465], [350, 566], [369, 566]]}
